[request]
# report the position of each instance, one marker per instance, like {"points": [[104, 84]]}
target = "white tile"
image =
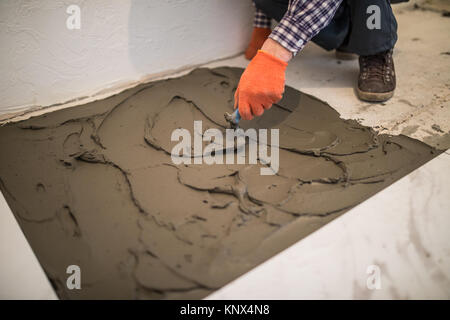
{"points": [[21, 276]]}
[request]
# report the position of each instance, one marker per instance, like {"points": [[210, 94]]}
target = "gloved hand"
{"points": [[260, 86]]}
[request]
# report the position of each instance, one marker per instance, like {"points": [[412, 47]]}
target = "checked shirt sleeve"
{"points": [[302, 21]]}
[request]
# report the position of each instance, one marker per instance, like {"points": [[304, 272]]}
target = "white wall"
{"points": [[43, 62]]}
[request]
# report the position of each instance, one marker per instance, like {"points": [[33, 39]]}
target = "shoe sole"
{"points": [[374, 96], [341, 55]]}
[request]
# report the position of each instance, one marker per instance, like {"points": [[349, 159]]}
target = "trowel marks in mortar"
{"points": [[95, 186]]}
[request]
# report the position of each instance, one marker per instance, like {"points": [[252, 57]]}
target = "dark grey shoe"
{"points": [[376, 81]]}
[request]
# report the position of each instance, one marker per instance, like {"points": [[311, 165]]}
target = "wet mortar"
{"points": [[95, 186]]}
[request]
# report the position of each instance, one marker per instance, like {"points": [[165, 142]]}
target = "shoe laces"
{"points": [[376, 67]]}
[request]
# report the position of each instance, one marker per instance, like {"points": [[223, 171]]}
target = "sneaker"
{"points": [[376, 81]]}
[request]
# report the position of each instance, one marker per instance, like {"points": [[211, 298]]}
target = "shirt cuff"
{"points": [[288, 35]]}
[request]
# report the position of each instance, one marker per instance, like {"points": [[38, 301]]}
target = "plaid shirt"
{"points": [[302, 21]]}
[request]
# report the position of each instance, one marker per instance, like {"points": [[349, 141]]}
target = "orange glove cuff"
{"points": [[275, 60]]}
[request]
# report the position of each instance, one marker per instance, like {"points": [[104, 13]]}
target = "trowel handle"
{"points": [[236, 116]]}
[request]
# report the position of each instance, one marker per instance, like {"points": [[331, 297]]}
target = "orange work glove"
{"points": [[259, 35], [260, 86]]}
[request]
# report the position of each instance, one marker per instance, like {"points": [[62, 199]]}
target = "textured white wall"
{"points": [[43, 62]]}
